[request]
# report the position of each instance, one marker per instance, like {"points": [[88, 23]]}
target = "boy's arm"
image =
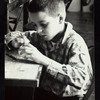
{"points": [[77, 72]]}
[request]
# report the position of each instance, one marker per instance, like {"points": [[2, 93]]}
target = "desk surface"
{"points": [[17, 69]]}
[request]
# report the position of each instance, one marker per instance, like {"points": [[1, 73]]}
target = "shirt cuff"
{"points": [[52, 70], [57, 73]]}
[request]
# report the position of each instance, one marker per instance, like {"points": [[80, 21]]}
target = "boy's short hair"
{"points": [[53, 6]]}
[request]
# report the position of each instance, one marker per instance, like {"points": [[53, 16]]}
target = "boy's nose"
{"points": [[39, 30]]}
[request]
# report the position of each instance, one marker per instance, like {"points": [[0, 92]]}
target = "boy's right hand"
{"points": [[17, 42]]}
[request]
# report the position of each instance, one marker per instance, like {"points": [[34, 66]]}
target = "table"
{"points": [[21, 76]]}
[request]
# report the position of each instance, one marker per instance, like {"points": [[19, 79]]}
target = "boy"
{"points": [[55, 45]]}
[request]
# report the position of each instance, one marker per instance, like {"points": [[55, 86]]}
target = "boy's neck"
{"points": [[60, 34]]}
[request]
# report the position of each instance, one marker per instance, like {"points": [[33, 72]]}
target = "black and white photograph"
{"points": [[49, 50]]}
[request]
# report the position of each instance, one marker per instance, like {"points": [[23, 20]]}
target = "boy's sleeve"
{"points": [[77, 72]]}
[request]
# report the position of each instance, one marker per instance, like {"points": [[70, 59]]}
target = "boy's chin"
{"points": [[47, 38]]}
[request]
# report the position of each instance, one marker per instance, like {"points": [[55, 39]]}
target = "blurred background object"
{"points": [[80, 5], [13, 4], [15, 14]]}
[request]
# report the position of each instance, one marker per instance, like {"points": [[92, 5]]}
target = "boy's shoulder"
{"points": [[71, 36], [70, 33]]}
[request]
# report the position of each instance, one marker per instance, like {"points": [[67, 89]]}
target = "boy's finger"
{"points": [[25, 52], [25, 39], [26, 49], [30, 45], [19, 40]]}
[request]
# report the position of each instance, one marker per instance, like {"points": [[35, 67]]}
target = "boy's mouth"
{"points": [[43, 36]]}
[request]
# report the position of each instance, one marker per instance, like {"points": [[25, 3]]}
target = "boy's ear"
{"points": [[60, 18]]}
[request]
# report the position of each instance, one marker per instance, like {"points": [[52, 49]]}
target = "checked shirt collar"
{"points": [[51, 46]]}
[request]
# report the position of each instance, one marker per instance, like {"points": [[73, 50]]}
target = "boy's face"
{"points": [[46, 25]]}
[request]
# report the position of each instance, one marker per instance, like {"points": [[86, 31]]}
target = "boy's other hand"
{"points": [[28, 51]]}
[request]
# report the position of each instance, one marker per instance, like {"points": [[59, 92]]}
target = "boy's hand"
{"points": [[17, 42], [30, 52]]}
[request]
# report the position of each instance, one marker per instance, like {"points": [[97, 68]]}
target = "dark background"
{"points": [[2, 31]]}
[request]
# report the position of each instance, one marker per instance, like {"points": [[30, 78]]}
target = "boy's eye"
{"points": [[34, 26], [44, 25]]}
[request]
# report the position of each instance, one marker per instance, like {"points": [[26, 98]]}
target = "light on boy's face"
{"points": [[45, 25]]}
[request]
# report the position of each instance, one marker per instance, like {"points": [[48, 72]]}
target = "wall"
{"points": [[74, 6]]}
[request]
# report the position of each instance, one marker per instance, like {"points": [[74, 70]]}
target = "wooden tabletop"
{"points": [[17, 69]]}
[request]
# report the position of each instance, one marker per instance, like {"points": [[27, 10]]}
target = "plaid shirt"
{"points": [[74, 73]]}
